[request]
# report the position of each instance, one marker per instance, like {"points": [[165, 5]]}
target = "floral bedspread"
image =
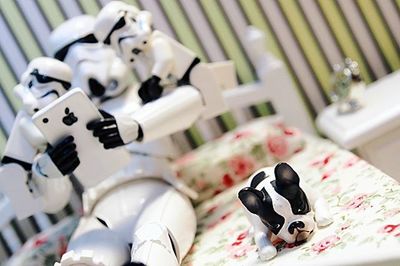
{"points": [[364, 201], [226, 161], [47, 247]]}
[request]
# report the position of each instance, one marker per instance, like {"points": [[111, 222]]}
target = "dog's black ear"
{"points": [[285, 176], [251, 199]]}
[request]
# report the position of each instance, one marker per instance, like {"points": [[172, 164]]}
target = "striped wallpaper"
{"points": [[308, 35]]}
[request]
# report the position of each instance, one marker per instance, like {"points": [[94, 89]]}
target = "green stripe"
{"points": [[263, 109], [230, 45], [20, 29], [181, 26], [256, 18], [8, 82], [3, 141], [132, 2], [254, 14], [196, 136], [52, 12], [187, 38], [90, 7], [227, 39], [228, 120], [378, 29], [343, 35], [308, 43]]}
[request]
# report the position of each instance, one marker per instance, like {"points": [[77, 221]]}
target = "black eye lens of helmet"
{"points": [[46, 79], [42, 78], [120, 23], [62, 53]]}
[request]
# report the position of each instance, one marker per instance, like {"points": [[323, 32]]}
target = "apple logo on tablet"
{"points": [[70, 118]]}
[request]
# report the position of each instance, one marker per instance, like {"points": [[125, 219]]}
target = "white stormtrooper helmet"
{"points": [[125, 28], [76, 30], [97, 69], [44, 80]]}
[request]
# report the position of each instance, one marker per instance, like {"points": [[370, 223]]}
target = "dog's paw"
{"points": [[324, 220], [267, 253]]}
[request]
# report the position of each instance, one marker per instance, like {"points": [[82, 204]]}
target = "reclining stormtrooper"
{"points": [[141, 214]]}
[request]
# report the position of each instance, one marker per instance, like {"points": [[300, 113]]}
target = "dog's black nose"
{"points": [[295, 225]]}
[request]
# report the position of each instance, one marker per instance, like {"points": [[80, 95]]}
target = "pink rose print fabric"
{"points": [[232, 158], [392, 229], [364, 202], [47, 247], [325, 243], [356, 202], [242, 166], [277, 145]]}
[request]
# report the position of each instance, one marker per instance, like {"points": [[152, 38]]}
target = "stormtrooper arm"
{"points": [[53, 187], [167, 115], [44, 188], [163, 57], [36, 182], [50, 172], [172, 113]]}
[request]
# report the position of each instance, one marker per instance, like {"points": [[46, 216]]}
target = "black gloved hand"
{"points": [[106, 130], [150, 90], [64, 155]]}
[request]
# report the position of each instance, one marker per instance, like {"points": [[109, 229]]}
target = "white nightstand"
{"points": [[374, 130]]}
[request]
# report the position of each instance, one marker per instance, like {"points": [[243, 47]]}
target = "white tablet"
{"points": [[69, 115]]}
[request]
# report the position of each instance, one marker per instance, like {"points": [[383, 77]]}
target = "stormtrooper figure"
{"points": [[96, 69], [141, 214], [27, 152], [159, 60]]}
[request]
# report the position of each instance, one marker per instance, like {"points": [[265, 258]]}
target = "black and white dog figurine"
{"points": [[277, 201]]}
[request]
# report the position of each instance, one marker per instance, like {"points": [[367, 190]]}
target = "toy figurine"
{"points": [[44, 80], [96, 68], [141, 214], [158, 59], [348, 86], [277, 201]]}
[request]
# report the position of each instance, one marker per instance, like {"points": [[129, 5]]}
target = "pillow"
{"points": [[224, 162]]}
